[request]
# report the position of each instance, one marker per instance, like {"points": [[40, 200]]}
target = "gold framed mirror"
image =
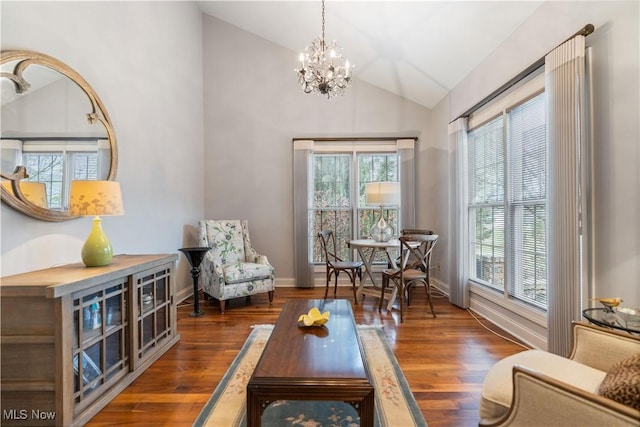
{"points": [[54, 129]]}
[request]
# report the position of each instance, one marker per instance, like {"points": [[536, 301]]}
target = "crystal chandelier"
{"points": [[322, 68]]}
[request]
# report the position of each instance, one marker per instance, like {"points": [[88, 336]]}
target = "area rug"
{"points": [[395, 405]]}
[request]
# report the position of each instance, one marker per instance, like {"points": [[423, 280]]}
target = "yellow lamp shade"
{"points": [[34, 192], [88, 198]]}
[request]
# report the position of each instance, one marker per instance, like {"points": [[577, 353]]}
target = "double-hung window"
{"points": [[329, 178], [338, 196], [55, 162], [507, 201]]}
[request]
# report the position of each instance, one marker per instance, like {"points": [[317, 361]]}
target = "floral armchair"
{"points": [[232, 268]]}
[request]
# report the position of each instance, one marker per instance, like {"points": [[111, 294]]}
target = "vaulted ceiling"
{"points": [[418, 49]]}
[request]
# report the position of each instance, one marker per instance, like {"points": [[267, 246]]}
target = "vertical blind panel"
{"points": [[564, 70]]}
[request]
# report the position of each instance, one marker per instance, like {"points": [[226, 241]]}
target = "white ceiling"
{"points": [[418, 49]]}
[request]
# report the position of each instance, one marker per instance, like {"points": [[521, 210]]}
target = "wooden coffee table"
{"points": [[324, 363]]}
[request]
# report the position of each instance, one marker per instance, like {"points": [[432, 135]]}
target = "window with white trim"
{"points": [[338, 195], [57, 163], [328, 192], [507, 166]]}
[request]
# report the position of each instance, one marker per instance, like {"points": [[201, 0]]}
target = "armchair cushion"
{"points": [[622, 382], [497, 391], [245, 272]]}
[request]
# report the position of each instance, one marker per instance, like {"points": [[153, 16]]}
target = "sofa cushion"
{"points": [[497, 389], [622, 382]]}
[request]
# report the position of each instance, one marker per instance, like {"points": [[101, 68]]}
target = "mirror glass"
{"points": [[54, 130]]}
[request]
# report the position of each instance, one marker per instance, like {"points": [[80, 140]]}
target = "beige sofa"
{"points": [[537, 388]]}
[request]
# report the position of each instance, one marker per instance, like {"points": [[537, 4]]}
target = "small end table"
{"points": [[194, 256], [608, 319]]}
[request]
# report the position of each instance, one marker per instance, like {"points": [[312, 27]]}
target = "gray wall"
{"points": [[144, 59], [253, 109]]}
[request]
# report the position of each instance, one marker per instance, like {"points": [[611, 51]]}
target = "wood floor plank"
{"points": [[444, 359]]}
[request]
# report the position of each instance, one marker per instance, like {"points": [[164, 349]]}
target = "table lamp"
{"points": [[35, 192], [96, 198], [382, 193]]}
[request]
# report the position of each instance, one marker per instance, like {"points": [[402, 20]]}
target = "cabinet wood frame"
{"points": [[37, 332]]}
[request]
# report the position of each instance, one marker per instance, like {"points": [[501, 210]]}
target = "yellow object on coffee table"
{"points": [[314, 317]]}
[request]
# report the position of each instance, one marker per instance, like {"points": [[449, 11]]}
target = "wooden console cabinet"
{"points": [[73, 337]]}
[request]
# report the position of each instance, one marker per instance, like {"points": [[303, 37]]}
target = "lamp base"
{"points": [[195, 256], [381, 231], [97, 250]]}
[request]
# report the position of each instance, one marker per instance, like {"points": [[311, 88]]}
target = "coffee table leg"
{"points": [[254, 413], [365, 409]]}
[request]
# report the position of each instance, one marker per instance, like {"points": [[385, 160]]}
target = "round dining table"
{"points": [[367, 249]]}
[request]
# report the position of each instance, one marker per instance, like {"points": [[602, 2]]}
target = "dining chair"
{"points": [[418, 248], [405, 231], [335, 264], [424, 265], [414, 262]]}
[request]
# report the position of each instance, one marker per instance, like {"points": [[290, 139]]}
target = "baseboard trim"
{"points": [[183, 294], [527, 327], [520, 327], [320, 282]]}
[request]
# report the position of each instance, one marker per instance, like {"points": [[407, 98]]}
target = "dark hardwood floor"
{"points": [[444, 359]]}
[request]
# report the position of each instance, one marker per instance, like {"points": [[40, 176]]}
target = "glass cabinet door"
{"points": [[153, 316], [100, 340]]}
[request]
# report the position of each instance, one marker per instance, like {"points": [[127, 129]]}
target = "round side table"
{"points": [[609, 319]]}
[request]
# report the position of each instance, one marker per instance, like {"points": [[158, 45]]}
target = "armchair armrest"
{"points": [[601, 348], [252, 256], [211, 269], [541, 400]]}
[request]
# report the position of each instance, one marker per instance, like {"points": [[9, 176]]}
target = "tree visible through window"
{"points": [[51, 168], [339, 201], [507, 202]]}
